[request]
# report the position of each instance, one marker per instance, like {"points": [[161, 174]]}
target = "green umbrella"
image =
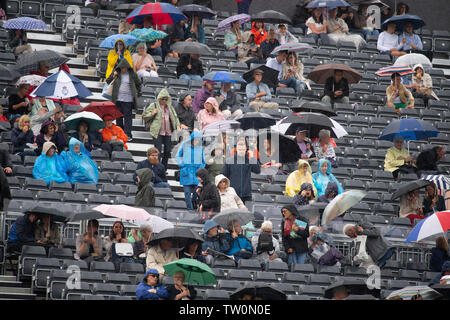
{"points": [[152, 35], [93, 120], [195, 272]]}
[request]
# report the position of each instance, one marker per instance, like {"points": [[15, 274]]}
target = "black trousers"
{"points": [[126, 123], [163, 154]]}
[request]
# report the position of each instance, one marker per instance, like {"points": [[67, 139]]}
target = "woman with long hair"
{"points": [[317, 28], [117, 235], [293, 68], [432, 201]]}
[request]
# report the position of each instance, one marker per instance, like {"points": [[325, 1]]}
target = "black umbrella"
{"points": [[410, 186], [353, 287], [272, 16], [7, 73], [287, 147], [86, 214], [270, 76], [127, 7], [255, 120], [443, 289], [361, 297], [30, 61], [178, 234], [310, 121], [258, 290], [191, 47], [59, 211], [313, 106], [197, 10]]}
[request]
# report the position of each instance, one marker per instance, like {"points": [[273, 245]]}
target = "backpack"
{"points": [[265, 243]]}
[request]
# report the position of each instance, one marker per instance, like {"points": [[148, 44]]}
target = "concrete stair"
{"points": [[10, 289]]}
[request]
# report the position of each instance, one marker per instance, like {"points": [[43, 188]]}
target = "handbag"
{"points": [[108, 90]]}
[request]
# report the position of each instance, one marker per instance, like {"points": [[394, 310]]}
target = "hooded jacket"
{"points": [[321, 181], [205, 118], [239, 243], [258, 36], [427, 82], [190, 158], [244, 48], [331, 187], [215, 168], [427, 160], [113, 58], [186, 116], [228, 199], [209, 196], [50, 168], [22, 230], [80, 167], [135, 83], [218, 242], [289, 37], [300, 243], [145, 196], [156, 120], [301, 200], [297, 178], [437, 279], [196, 66], [57, 139], [142, 290]]}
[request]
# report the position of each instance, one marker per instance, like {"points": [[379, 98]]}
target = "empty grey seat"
{"points": [[330, 270], [249, 264], [117, 278], [60, 253], [229, 285], [106, 289], [70, 262], [410, 275], [397, 284], [239, 275], [302, 268], [287, 288], [292, 277], [75, 293], [86, 188], [312, 290], [122, 178], [131, 268], [211, 294], [319, 279], [102, 266], [35, 184], [92, 297], [277, 266], [101, 199], [110, 189]]}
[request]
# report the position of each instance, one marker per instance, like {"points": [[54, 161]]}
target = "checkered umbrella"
{"points": [[25, 23], [30, 61]]}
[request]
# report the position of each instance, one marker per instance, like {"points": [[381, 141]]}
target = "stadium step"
{"points": [[46, 39], [77, 63], [10, 289], [441, 63], [66, 50]]}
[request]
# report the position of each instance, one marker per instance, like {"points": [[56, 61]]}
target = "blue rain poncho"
{"points": [[321, 181], [50, 168], [80, 167]]}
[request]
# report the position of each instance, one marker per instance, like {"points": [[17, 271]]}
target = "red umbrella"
{"points": [[103, 108]]}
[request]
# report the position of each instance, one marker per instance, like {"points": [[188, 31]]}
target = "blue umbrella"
{"points": [[409, 129], [224, 76], [330, 4], [25, 23], [111, 40], [61, 85], [416, 21]]}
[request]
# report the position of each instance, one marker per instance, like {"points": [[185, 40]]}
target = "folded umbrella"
{"points": [[261, 291], [255, 120], [226, 24], [31, 79], [226, 216], [292, 47], [341, 203], [401, 20], [191, 47], [30, 61], [94, 122], [410, 186], [195, 272], [103, 108], [197, 10], [272, 16], [122, 211], [270, 76], [411, 59], [389, 71], [409, 129], [61, 85], [179, 235], [442, 182], [438, 222], [158, 224], [25, 23], [8, 74], [330, 4], [111, 40], [224, 76], [321, 73], [161, 13], [408, 292], [313, 106]]}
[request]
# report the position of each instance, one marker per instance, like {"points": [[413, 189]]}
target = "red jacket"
{"points": [[258, 36], [108, 133]]}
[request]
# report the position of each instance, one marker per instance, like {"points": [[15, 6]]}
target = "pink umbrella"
{"points": [[122, 211]]}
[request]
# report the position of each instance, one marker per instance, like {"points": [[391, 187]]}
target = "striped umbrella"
{"points": [[292, 47], [25, 23], [226, 24], [110, 41], [389, 71], [61, 85], [408, 292], [438, 222], [442, 182], [161, 13]]}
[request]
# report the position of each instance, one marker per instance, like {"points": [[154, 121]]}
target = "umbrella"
{"points": [[408, 292], [360, 297], [197, 10], [411, 59], [270, 76], [191, 47], [409, 186], [139, 32], [370, 2], [330, 4], [226, 24], [442, 182], [61, 85], [30, 61], [8, 74], [25, 23], [158, 224], [321, 73], [409, 129], [401, 20], [31, 79], [111, 40], [179, 234], [258, 290], [224, 76], [58, 211], [224, 217], [86, 215], [220, 126], [389, 71], [122, 211], [311, 121], [103, 108], [255, 120], [443, 289], [94, 122], [341, 203], [161, 13], [152, 35], [353, 286], [272, 16], [438, 222], [292, 47], [127, 7], [313, 106], [287, 147], [195, 272]]}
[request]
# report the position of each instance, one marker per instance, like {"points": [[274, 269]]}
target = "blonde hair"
{"points": [[267, 225], [22, 119]]}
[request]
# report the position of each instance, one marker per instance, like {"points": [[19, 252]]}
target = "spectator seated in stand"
{"points": [[161, 254], [249, 51], [90, 139], [18, 42], [258, 93], [283, 35], [117, 235], [233, 37], [210, 113], [143, 64], [330, 193], [215, 239], [324, 176], [177, 291], [322, 252], [398, 159], [195, 30], [140, 240], [80, 167], [397, 95], [338, 30], [145, 196], [193, 250], [49, 132], [270, 43], [432, 201], [426, 162], [50, 166], [336, 89], [317, 28], [190, 67], [388, 41], [200, 97], [40, 117], [422, 85], [22, 232], [47, 232], [22, 138], [258, 30], [240, 246], [439, 254], [297, 178], [228, 196], [411, 206], [113, 137], [324, 149], [18, 103], [265, 245], [306, 195], [228, 102], [5, 162], [159, 178], [365, 23], [290, 81], [149, 288], [304, 144], [411, 42]]}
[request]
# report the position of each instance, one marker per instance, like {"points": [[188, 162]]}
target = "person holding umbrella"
{"points": [[295, 233], [160, 254], [270, 43], [397, 96], [22, 232], [233, 37], [411, 206], [304, 143], [398, 159], [258, 93], [47, 232], [388, 41], [278, 63], [190, 67], [18, 41], [194, 30], [336, 89], [432, 201], [204, 93], [258, 30], [89, 246], [113, 137], [87, 138], [116, 55], [411, 42], [215, 239], [193, 250], [149, 288], [317, 28]]}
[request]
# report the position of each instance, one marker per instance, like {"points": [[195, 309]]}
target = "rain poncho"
{"points": [[145, 197], [50, 168], [80, 167], [114, 58], [321, 181], [285, 38], [297, 178], [190, 158], [300, 200]]}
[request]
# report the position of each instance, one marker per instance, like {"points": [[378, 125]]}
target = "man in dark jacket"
{"points": [[336, 89], [185, 113], [215, 239], [305, 195], [331, 192], [228, 101], [159, 179], [427, 160], [5, 161], [22, 232], [295, 233], [304, 144], [209, 196], [190, 67], [270, 43]]}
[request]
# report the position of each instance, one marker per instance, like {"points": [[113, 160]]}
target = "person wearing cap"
{"points": [[190, 67], [258, 93], [113, 137], [388, 41], [228, 101], [149, 288], [397, 96], [184, 112], [200, 97], [50, 166], [271, 42]]}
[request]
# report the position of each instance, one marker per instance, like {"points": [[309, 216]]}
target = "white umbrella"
{"points": [[412, 59], [122, 211], [220, 126], [338, 130], [31, 79], [157, 223], [342, 203]]}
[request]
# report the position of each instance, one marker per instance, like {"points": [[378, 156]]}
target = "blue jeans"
{"points": [[386, 257], [296, 258], [164, 154], [161, 185], [371, 33], [296, 84], [190, 195], [191, 77]]}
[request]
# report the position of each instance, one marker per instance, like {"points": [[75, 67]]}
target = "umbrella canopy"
{"points": [[442, 182], [401, 20], [191, 47], [58, 211], [255, 120], [389, 71], [224, 76], [370, 2], [25, 23], [161, 13], [310, 121], [195, 272], [272, 16], [7, 73], [353, 286], [321, 73], [103, 108], [94, 122], [287, 147], [158, 224], [258, 290], [30, 61], [313, 106], [111, 40], [61, 85], [86, 215], [408, 292], [243, 216], [122, 211], [220, 126], [342, 203], [31, 79], [178, 234], [152, 35], [197, 10], [411, 59], [127, 7], [270, 76], [330, 4], [438, 222], [226, 23], [409, 129], [410, 186], [292, 47]]}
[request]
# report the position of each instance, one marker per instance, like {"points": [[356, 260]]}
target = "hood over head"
{"points": [[204, 175], [321, 162], [209, 224], [219, 178], [145, 175], [73, 142], [419, 65], [164, 94], [331, 187], [117, 42], [149, 271], [307, 186], [214, 103], [47, 145], [124, 63], [183, 96], [301, 162], [292, 209]]}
